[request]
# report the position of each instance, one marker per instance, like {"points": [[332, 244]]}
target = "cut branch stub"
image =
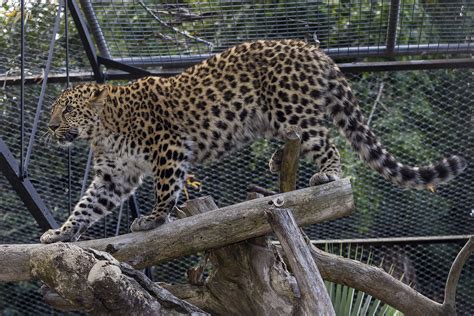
{"points": [[289, 160]]}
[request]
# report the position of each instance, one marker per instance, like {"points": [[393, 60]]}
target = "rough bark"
{"points": [[186, 236], [371, 280], [314, 296], [95, 282], [377, 283], [15, 260], [248, 278]]}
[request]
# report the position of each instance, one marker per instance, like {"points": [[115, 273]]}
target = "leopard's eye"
{"points": [[68, 108]]}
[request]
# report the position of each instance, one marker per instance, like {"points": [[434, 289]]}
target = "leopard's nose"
{"points": [[53, 126]]}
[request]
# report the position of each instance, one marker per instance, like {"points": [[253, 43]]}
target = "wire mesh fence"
{"points": [[150, 32], [421, 116]]}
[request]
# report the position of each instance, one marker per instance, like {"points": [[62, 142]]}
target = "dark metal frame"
{"points": [[460, 239], [356, 67], [86, 39], [25, 189], [17, 173]]}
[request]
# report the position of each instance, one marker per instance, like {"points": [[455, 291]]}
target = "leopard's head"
{"points": [[76, 112]]}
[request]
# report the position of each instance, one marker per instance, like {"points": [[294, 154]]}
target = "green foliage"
{"points": [[350, 302]]}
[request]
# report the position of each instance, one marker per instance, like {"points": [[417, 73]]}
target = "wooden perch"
{"points": [[314, 296], [212, 229], [247, 278], [95, 282], [369, 279]]}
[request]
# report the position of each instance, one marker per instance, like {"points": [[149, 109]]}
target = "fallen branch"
{"points": [[369, 279], [186, 236]]}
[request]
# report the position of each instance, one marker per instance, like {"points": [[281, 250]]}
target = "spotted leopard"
{"points": [[160, 126]]}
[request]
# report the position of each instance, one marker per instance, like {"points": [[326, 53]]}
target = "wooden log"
{"points": [[97, 283], [248, 278], [368, 279], [212, 229], [315, 299]]}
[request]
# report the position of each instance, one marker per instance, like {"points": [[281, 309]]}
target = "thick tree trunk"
{"points": [[247, 278]]}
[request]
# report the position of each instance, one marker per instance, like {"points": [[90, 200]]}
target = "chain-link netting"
{"points": [[420, 116], [150, 32]]}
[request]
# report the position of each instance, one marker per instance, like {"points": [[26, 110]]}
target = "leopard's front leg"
{"points": [[112, 184], [169, 175]]}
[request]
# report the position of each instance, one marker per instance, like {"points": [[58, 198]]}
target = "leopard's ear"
{"points": [[99, 96]]}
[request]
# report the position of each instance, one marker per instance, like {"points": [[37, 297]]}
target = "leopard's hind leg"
{"points": [[318, 147]]}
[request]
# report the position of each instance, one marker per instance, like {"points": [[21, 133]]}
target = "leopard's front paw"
{"points": [[322, 178], [149, 222], [55, 235]]}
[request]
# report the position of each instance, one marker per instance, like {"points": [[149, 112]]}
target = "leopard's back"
{"points": [[263, 88]]}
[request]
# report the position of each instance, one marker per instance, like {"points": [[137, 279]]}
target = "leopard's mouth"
{"points": [[66, 138]]}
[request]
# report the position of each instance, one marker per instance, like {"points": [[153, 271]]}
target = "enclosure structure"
{"points": [[409, 62]]}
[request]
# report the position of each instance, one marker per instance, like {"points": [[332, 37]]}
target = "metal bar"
{"points": [[171, 61], [393, 15], [119, 220], [69, 149], [401, 50], [25, 189], [134, 207], [22, 88], [86, 171], [121, 66], [43, 88], [86, 39], [91, 18], [407, 65], [397, 240], [345, 67]]}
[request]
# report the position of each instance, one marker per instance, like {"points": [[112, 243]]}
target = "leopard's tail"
{"points": [[343, 109]]}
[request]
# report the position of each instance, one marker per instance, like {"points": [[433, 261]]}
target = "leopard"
{"points": [[162, 126]]}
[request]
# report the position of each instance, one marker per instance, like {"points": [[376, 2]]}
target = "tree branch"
{"points": [[186, 236], [314, 296], [289, 160], [375, 282], [166, 25], [369, 279], [455, 273]]}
